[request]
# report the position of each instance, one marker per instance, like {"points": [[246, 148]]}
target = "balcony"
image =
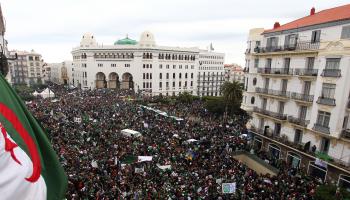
{"points": [[298, 121], [302, 97], [275, 71], [345, 134], [275, 115], [331, 73], [321, 128], [278, 93], [300, 46], [306, 72], [326, 101]]}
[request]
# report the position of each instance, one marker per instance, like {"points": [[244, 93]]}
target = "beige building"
{"points": [[234, 72], [27, 68]]}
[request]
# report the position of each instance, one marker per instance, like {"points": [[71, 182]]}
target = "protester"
{"points": [[85, 129]]}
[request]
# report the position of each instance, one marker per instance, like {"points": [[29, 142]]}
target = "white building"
{"points": [[59, 72], [27, 68], [298, 91], [146, 66]]}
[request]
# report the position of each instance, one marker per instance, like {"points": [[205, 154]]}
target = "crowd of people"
{"points": [[191, 156]]}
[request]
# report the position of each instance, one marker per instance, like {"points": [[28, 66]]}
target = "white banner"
{"points": [[144, 158], [228, 188]]}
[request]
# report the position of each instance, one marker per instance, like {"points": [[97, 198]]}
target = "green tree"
{"points": [[185, 97], [232, 93]]}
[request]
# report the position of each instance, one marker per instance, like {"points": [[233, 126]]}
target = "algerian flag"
{"points": [[29, 167]]}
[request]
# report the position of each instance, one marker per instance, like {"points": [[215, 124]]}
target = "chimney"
{"points": [[312, 11], [276, 25]]}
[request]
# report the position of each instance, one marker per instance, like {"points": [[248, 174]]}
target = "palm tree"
{"points": [[232, 93]]}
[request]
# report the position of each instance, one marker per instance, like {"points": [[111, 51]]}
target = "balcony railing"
{"points": [[276, 115], [300, 46], [326, 101], [282, 71], [331, 73], [345, 133], [298, 121], [279, 93], [306, 72], [302, 97], [321, 128]]}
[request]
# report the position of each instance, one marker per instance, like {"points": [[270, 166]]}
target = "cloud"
{"points": [[53, 28]]}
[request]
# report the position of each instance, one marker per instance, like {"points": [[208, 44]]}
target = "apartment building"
{"points": [[234, 72], [297, 91], [27, 68]]}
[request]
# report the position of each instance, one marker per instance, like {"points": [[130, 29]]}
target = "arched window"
{"points": [[252, 100]]}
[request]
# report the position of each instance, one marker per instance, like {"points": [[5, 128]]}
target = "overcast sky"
{"points": [[54, 27]]}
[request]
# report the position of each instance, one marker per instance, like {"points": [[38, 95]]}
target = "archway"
{"points": [[128, 82], [101, 80], [113, 81]]}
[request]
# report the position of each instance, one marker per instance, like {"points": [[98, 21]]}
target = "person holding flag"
{"points": [[29, 167]]}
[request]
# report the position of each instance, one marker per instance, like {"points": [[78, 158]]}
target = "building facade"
{"points": [[146, 67], [59, 72], [234, 72], [27, 68], [297, 92]]}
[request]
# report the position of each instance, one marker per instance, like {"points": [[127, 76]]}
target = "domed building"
{"points": [[125, 41], [146, 67]]}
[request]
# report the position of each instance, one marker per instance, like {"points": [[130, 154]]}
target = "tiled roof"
{"points": [[324, 16]]}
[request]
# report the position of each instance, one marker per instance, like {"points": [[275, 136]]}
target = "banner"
{"points": [[144, 158], [228, 188]]}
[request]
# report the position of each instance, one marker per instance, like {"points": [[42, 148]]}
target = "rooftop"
{"points": [[329, 15]]}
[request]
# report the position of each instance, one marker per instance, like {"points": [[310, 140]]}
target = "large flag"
{"points": [[29, 167]]}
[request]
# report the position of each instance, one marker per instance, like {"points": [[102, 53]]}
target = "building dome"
{"points": [[125, 41], [88, 40], [147, 39]]}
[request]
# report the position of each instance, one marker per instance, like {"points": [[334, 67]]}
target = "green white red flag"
{"points": [[29, 167]]}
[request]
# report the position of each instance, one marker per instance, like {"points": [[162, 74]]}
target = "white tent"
{"points": [[47, 93], [131, 133], [35, 93]]}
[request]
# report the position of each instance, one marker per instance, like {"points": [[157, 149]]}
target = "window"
{"points": [[290, 41], [150, 76], [257, 44], [310, 62], [167, 75], [174, 66], [160, 66], [252, 100], [191, 83], [167, 85], [160, 76], [180, 75], [173, 75], [185, 75], [179, 83], [160, 85], [83, 65], [298, 136], [315, 37], [256, 62], [268, 63], [345, 32], [113, 65], [272, 42], [254, 81], [144, 66], [173, 83], [332, 63], [323, 118], [328, 90], [100, 65], [324, 145], [191, 75], [167, 66], [30, 58], [127, 65]]}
